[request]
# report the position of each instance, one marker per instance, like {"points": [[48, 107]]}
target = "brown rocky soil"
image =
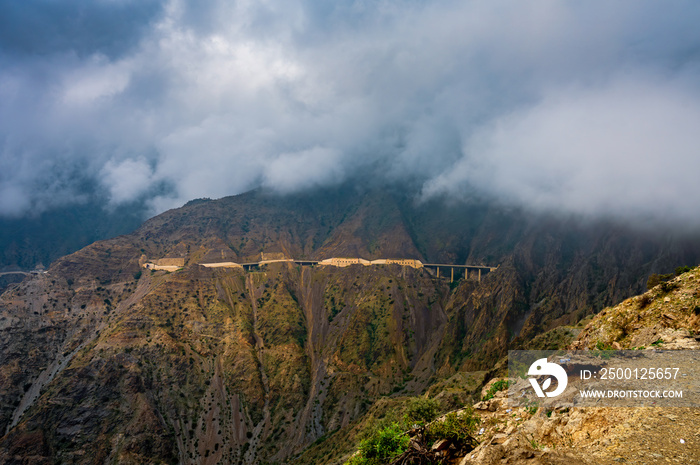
{"points": [[667, 316], [644, 435]]}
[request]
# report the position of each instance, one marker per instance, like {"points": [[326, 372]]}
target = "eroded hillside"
{"points": [[218, 366], [103, 361]]}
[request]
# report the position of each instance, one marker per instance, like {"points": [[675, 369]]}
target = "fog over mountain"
{"points": [[589, 108]]}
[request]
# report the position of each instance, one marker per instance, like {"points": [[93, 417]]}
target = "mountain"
{"points": [[103, 361], [559, 269], [38, 240]]}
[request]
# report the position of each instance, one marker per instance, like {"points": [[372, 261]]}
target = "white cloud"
{"points": [[318, 166], [562, 106], [13, 200], [95, 79], [126, 180], [627, 148]]}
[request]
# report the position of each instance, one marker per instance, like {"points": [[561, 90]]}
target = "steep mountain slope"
{"points": [[29, 241], [262, 363], [317, 224], [101, 360], [666, 317], [563, 268]]}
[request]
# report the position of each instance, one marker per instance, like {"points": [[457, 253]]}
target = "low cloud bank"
{"points": [[590, 109]]}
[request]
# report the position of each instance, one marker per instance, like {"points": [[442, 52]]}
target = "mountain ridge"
{"points": [[267, 362]]}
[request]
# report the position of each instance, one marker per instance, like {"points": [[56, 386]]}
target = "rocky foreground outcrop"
{"points": [[667, 316]]}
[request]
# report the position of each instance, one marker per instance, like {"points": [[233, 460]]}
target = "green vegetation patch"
{"points": [[456, 427], [499, 385], [421, 411], [381, 445], [389, 440]]}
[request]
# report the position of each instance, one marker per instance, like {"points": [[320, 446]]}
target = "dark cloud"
{"points": [[42, 27], [586, 107]]}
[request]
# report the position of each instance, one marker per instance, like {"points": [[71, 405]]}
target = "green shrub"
{"points": [[682, 269], [602, 346], [668, 286], [499, 385], [381, 445], [532, 407], [457, 428], [421, 411], [656, 279]]}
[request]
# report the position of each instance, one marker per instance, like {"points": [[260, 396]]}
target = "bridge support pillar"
{"points": [[479, 274], [438, 271], [452, 274]]}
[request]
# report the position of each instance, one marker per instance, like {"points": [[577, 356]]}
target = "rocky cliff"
{"points": [[102, 361]]}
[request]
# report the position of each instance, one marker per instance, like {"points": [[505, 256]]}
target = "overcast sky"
{"points": [[587, 107]]}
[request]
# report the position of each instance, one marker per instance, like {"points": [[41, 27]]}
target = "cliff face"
{"points": [[212, 366], [563, 268], [103, 361]]}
